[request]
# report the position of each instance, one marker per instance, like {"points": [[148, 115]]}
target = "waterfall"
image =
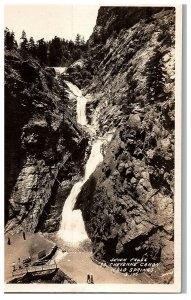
{"points": [[72, 227], [81, 108], [60, 70], [81, 104]]}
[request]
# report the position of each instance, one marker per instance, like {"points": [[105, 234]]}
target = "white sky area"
{"points": [[46, 21]]}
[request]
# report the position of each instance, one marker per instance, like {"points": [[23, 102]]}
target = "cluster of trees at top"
{"points": [[57, 52]]}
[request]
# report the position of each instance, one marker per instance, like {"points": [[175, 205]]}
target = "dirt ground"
{"points": [[20, 248], [76, 264]]}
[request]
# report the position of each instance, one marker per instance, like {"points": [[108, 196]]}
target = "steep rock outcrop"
{"points": [[41, 138], [127, 203]]}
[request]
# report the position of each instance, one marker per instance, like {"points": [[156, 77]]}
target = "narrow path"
{"points": [[78, 264]]}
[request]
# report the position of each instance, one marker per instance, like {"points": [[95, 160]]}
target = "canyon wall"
{"points": [[41, 140], [127, 204]]}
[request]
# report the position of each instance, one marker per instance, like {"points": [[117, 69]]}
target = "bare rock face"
{"points": [[40, 138], [127, 203]]}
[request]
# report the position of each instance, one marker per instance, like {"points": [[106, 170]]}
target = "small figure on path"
{"points": [[91, 278], [88, 278], [24, 236], [13, 267], [8, 241], [19, 263]]}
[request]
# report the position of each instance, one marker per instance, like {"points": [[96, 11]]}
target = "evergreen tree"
{"points": [[32, 47], [83, 46], [55, 48], [42, 48], [78, 39], [77, 53], [10, 42], [24, 42], [82, 40], [70, 46]]}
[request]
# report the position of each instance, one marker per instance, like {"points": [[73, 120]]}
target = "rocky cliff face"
{"points": [[41, 137], [127, 203]]}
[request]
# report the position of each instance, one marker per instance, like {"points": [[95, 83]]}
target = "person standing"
{"points": [[19, 263], [8, 241], [91, 278], [24, 236], [88, 278], [13, 267]]}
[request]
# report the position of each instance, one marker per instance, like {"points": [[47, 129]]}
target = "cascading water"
{"points": [[59, 70], [72, 226], [72, 229], [81, 104]]}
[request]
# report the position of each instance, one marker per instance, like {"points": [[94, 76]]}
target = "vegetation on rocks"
{"points": [[127, 204], [128, 68], [39, 134]]}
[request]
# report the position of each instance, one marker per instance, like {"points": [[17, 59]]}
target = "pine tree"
{"points": [[83, 45], [10, 42], [24, 42], [42, 48], [78, 39], [32, 47], [82, 40], [55, 48], [70, 46]]}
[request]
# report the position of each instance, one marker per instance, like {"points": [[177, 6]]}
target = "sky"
{"points": [[46, 21]]}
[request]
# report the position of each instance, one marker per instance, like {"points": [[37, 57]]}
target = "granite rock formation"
{"points": [[41, 140], [127, 203]]}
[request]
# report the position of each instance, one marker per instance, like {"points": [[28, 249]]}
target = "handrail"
{"points": [[32, 269]]}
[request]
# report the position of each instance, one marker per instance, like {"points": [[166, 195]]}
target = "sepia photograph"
{"points": [[92, 98]]}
